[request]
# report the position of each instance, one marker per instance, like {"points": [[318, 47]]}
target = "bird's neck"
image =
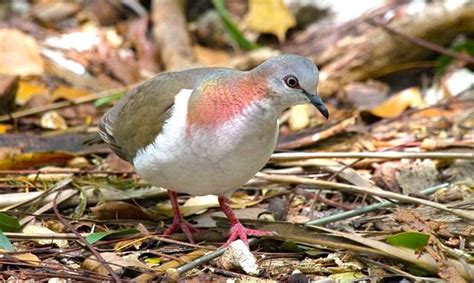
{"points": [[223, 99]]}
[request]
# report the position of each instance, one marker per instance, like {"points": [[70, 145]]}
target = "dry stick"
{"points": [[363, 190], [377, 155], [322, 135], [66, 103], [59, 185], [423, 43], [365, 209], [84, 241], [25, 220]]}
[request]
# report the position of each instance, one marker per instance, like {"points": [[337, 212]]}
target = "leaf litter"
{"points": [[68, 54]]}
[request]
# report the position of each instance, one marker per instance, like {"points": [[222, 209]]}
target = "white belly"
{"points": [[209, 160]]}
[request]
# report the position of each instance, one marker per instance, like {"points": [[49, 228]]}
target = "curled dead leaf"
{"points": [[20, 50]]}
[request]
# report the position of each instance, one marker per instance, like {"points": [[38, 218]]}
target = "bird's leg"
{"points": [[178, 220], [237, 230]]}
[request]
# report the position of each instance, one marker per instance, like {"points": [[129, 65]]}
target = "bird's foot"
{"points": [[180, 222], [239, 231]]}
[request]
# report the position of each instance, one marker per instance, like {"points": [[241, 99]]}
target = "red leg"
{"points": [[237, 230], [178, 220]]}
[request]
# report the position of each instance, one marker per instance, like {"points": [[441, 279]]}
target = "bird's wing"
{"points": [[136, 120]]}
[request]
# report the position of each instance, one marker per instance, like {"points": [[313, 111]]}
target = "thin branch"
{"points": [[423, 43], [84, 241], [374, 191], [365, 209], [276, 157]]}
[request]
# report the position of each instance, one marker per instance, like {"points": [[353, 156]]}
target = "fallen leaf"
{"points": [[9, 223], [34, 159], [5, 243], [270, 16], [95, 237], [118, 263], [28, 257], [398, 103], [69, 93], [411, 240], [4, 128], [52, 120], [35, 229], [27, 89], [120, 210], [21, 51]]}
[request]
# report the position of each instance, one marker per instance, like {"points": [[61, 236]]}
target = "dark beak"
{"points": [[318, 103]]}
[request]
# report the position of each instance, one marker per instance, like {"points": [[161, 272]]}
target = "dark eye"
{"points": [[292, 81]]}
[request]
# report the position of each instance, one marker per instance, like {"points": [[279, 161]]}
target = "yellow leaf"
{"points": [[19, 54], [398, 103], [4, 128], [69, 93], [33, 159], [27, 89], [270, 16], [27, 257]]}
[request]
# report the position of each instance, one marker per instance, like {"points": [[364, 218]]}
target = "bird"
{"points": [[208, 130]]}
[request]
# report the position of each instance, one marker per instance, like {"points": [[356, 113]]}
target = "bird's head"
{"points": [[292, 80]]}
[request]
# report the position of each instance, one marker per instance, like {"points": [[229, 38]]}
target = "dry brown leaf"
{"points": [[270, 16], [398, 103], [120, 210], [19, 54], [118, 262]]}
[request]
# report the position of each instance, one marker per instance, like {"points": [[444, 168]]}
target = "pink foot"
{"points": [[239, 231], [178, 220]]}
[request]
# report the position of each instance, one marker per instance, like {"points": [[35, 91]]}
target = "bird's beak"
{"points": [[318, 103]]}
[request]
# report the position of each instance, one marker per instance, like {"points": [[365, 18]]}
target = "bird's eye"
{"points": [[292, 81]]}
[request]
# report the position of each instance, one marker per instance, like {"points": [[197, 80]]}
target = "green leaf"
{"points": [[94, 237], [5, 242], [8, 223], [103, 101], [231, 27], [444, 61], [411, 240]]}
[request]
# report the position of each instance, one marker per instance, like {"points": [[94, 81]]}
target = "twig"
{"points": [[25, 220], [378, 155], [48, 236], [362, 190], [365, 209], [66, 103], [421, 42], [84, 241], [59, 185], [314, 138]]}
